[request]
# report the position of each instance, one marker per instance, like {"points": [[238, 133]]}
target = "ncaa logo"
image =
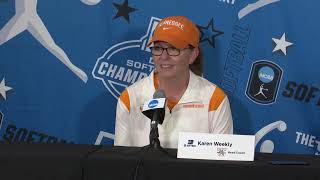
{"points": [[264, 81], [125, 63], [152, 104]]}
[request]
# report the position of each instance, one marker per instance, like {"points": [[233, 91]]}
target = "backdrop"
{"points": [[64, 63]]}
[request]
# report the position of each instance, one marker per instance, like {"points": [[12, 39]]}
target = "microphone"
{"points": [[154, 109], [158, 115]]}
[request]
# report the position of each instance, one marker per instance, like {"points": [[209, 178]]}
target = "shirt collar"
{"points": [[190, 95]]}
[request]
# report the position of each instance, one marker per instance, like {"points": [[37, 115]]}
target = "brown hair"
{"points": [[197, 66]]}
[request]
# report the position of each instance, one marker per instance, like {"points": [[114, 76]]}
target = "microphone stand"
{"points": [[154, 139], [153, 145], [154, 135]]}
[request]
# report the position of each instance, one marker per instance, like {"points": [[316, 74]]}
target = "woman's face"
{"points": [[169, 67]]}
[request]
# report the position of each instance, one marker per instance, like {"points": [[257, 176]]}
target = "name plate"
{"points": [[216, 146]]}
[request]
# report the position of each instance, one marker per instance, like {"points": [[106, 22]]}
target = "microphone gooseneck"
{"points": [[157, 118]]}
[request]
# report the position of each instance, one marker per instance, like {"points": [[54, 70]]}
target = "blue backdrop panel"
{"points": [[64, 63]]}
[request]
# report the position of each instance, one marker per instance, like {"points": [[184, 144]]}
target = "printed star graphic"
{"points": [[209, 34], [281, 44], [124, 10], [4, 88]]}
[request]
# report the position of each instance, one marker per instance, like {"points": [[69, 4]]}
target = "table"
{"points": [[90, 162], [42, 161], [120, 163]]}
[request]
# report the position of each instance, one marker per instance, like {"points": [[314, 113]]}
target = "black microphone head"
{"points": [[149, 113], [160, 112], [159, 94]]}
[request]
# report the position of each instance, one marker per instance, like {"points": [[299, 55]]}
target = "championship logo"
{"points": [[125, 63], [264, 81]]}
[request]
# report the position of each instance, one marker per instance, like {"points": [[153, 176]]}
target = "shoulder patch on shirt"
{"points": [[124, 97], [216, 99]]}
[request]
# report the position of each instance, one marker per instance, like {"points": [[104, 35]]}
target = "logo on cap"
{"points": [[171, 23]]}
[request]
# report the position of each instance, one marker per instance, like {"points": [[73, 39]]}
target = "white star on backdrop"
{"points": [[4, 88], [281, 44]]}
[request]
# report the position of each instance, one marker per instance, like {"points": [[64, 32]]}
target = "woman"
{"points": [[193, 103]]}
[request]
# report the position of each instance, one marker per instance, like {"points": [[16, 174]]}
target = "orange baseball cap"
{"points": [[177, 31]]}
